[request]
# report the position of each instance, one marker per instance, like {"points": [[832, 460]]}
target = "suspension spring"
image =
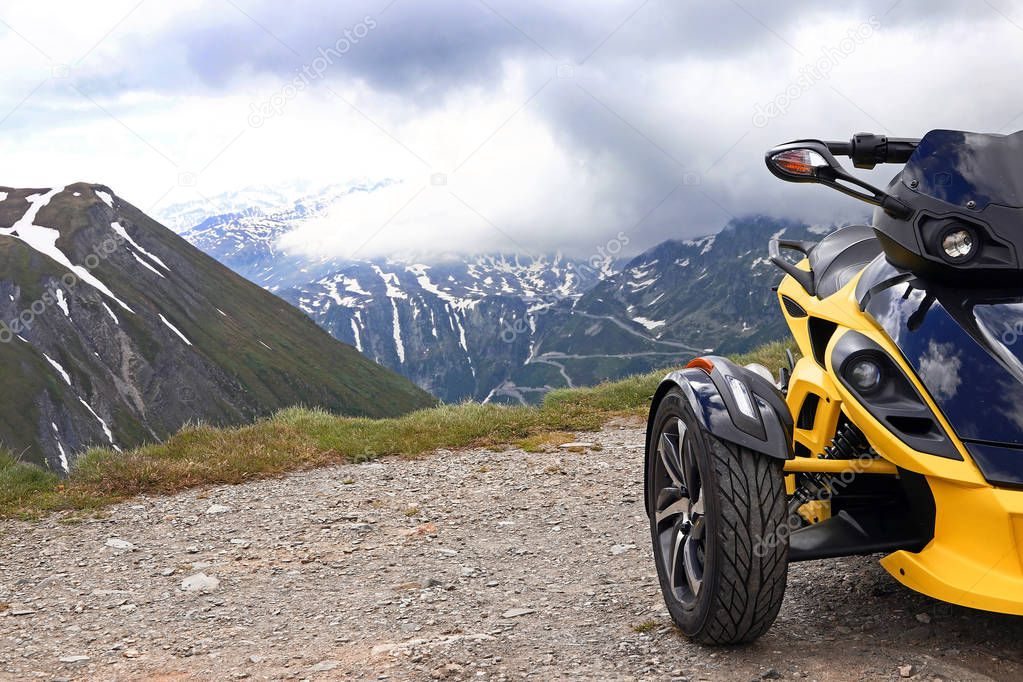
{"points": [[848, 443]]}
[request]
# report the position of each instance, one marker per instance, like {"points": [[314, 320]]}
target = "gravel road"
{"points": [[459, 565]]}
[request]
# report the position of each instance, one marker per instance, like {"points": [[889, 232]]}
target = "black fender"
{"points": [[706, 385]]}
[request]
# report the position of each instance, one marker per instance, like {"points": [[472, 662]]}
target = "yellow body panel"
{"points": [[976, 556]]}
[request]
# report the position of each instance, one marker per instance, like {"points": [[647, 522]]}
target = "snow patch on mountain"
{"points": [[649, 324], [123, 233], [44, 240], [174, 329]]}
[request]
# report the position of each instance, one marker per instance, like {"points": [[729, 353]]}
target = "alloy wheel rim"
{"points": [[679, 511]]}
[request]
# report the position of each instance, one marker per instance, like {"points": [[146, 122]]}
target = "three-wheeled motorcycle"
{"points": [[899, 429]]}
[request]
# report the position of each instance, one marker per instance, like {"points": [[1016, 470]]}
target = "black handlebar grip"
{"points": [[867, 149], [900, 149]]}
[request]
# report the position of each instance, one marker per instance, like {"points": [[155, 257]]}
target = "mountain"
{"points": [[115, 332], [245, 237], [457, 327], [509, 329], [258, 199], [678, 299]]}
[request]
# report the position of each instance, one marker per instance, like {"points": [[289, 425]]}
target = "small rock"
{"points": [[361, 527], [621, 549], [200, 582], [218, 509], [117, 543], [426, 583], [324, 666], [924, 618], [771, 674], [576, 445], [73, 659], [446, 671], [255, 659], [907, 670], [515, 613]]}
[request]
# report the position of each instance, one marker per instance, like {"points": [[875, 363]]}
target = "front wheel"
{"points": [[717, 513]]}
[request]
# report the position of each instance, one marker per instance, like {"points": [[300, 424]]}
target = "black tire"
{"points": [[721, 525]]}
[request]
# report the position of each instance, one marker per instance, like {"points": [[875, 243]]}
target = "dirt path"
{"points": [[470, 565]]}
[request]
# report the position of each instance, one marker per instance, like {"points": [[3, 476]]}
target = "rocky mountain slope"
{"points": [[115, 332]]}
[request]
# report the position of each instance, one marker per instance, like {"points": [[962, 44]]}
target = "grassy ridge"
{"points": [[298, 438]]}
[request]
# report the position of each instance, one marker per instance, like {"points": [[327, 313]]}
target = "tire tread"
{"points": [[752, 506]]}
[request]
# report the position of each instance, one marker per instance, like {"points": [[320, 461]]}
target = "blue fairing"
{"points": [[959, 167], [967, 350]]}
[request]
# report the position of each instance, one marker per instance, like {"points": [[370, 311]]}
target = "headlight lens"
{"points": [[864, 374], [957, 244]]}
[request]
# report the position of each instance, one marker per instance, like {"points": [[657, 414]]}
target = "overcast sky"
{"points": [[504, 125]]}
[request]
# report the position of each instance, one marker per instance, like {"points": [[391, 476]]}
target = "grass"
{"points": [[297, 438], [645, 626]]}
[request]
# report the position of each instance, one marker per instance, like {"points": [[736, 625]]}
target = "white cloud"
{"points": [[670, 97]]}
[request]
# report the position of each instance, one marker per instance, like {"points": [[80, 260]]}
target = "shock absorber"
{"points": [[848, 443]]}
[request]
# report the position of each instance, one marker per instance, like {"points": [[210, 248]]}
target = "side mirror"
{"points": [[812, 161], [802, 161]]}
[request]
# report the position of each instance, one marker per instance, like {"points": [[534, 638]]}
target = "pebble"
{"points": [[200, 582], [117, 543], [515, 613], [218, 509]]}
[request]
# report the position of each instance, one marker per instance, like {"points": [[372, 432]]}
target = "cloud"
{"points": [[556, 125]]}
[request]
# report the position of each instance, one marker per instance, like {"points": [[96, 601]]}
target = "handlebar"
{"points": [[867, 149]]}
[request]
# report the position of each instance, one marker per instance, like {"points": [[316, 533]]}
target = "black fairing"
{"points": [[770, 433], [966, 347], [959, 180]]}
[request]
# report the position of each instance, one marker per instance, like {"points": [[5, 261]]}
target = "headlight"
{"points": [[958, 244], [864, 374]]}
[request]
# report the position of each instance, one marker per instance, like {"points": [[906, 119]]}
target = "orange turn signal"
{"points": [[802, 162], [701, 363]]}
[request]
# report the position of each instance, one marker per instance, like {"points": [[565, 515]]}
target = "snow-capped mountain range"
{"points": [[497, 327]]}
